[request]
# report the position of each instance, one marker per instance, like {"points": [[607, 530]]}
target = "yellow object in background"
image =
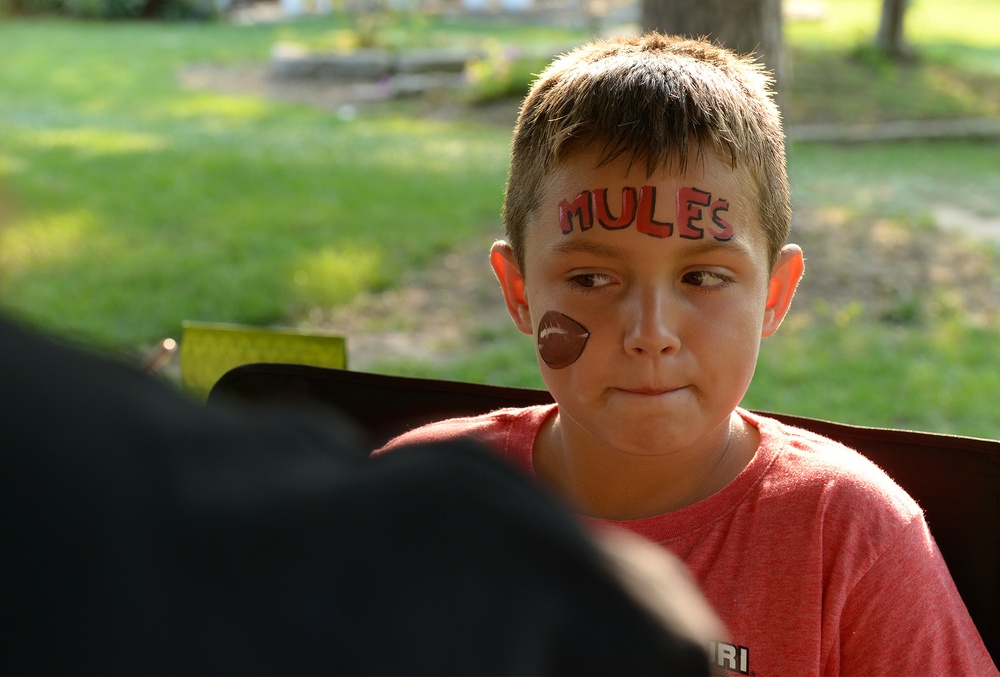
{"points": [[208, 350]]}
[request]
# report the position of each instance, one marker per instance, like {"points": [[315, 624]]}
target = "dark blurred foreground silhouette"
{"points": [[145, 534]]}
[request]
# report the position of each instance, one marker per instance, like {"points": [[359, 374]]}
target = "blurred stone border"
{"points": [[290, 60]]}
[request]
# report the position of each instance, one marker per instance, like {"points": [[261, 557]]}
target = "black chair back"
{"points": [[956, 480]]}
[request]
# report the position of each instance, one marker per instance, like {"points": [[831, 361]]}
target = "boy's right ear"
{"points": [[511, 280]]}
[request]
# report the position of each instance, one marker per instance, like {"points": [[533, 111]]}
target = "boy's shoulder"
{"points": [[510, 432], [805, 462]]}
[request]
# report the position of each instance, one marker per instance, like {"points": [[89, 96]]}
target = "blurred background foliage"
{"points": [[134, 195], [114, 9]]}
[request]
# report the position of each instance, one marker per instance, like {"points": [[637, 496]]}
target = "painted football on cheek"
{"points": [[561, 339]]}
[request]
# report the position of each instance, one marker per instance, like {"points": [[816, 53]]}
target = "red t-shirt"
{"points": [[815, 560]]}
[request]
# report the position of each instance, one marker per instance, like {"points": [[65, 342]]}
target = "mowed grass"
{"points": [[133, 204], [838, 77], [942, 377], [128, 204]]}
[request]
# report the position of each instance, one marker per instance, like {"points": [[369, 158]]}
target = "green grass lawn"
{"points": [[128, 203], [136, 204]]}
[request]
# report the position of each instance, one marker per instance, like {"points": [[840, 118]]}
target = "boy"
{"points": [[647, 210]]}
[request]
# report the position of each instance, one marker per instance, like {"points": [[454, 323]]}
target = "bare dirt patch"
{"points": [[893, 271], [434, 315], [339, 98]]}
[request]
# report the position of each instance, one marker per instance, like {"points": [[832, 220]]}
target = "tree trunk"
{"points": [[746, 26], [889, 40]]}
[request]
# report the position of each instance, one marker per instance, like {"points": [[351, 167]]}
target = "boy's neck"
{"points": [[602, 482]]}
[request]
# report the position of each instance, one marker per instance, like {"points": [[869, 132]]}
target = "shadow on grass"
{"points": [[858, 86]]}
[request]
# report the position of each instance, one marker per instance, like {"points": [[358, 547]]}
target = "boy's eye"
{"points": [[704, 278], [591, 280]]}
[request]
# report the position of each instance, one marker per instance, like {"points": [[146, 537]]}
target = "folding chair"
{"points": [[956, 480], [210, 349]]}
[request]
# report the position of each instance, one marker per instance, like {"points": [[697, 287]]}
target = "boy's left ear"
{"points": [[785, 278]]}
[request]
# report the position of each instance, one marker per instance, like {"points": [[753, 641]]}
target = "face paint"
{"points": [[561, 340], [694, 222]]}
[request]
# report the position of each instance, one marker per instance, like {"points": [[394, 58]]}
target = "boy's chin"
{"points": [[650, 436]]}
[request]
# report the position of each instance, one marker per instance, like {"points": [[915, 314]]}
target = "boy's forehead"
{"points": [[583, 172], [584, 166]]}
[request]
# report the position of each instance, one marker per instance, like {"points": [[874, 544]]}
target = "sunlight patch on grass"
{"points": [[846, 22], [948, 20], [459, 154], [945, 34], [94, 141], [227, 108], [333, 276], [841, 23], [431, 153], [43, 241]]}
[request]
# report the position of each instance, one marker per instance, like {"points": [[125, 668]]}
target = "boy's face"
{"points": [[648, 298]]}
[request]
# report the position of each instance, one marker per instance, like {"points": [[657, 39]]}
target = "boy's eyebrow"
{"points": [[737, 246], [578, 246]]}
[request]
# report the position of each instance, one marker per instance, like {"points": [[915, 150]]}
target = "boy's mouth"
{"points": [[656, 390]]}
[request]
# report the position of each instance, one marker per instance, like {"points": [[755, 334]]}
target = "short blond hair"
{"points": [[652, 98]]}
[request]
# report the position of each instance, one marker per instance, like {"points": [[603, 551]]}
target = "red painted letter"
{"points": [[725, 231], [579, 206], [599, 205], [645, 222], [688, 212]]}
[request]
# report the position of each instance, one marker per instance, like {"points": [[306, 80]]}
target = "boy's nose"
{"points": [[651, 327]]}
